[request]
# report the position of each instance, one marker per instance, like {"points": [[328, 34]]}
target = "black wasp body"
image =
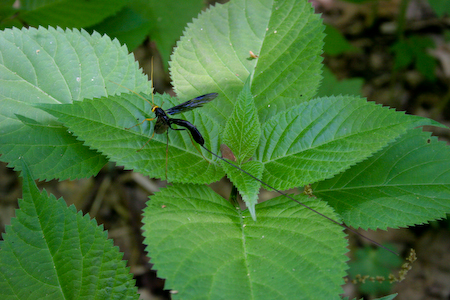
{"points": [[164, 122]]}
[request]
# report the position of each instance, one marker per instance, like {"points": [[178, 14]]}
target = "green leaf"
{"points": [[247, 186], [128, 26], [242, 133], [56, 66], [52, 252], [68, 13], [405, 184], [404, 55], [414, 49], [164, 21], [102, 124], [321, 138], [7, 14], [374, 262], [242, 130], [212, 55], [335, 42], [209, 250], [440, 7], [169, 19], [426, 65], [5, 5], [424, 62], [331, 86]]}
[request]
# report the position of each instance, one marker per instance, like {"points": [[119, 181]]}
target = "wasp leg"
{"points": [[146, 142], [148, 119]]}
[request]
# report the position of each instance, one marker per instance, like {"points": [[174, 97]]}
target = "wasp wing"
{"points": [[191, 104]]}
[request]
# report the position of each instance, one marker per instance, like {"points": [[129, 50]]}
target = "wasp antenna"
{"points": [[151, 79]]}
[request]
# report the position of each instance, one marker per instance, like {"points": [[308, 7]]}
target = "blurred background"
{"points": [[396, 53]]}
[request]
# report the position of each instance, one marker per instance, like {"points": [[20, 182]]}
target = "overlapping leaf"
{"points": [[103, 124], [405, 184], [214, 52], [208, 249], [56, 66], [248, 187], [321, 138], [52, 252]]}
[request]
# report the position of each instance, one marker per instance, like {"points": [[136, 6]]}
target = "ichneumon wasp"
{"points": [[164, 122]]}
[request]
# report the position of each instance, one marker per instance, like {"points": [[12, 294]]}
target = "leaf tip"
{"points": [[252, 211]]}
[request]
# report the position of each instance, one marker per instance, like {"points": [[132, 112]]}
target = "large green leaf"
{"points": [[323, 137], [214, 53], [102, 124], [209, 250], [52, 252], [56, 66], [405, 184]]}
